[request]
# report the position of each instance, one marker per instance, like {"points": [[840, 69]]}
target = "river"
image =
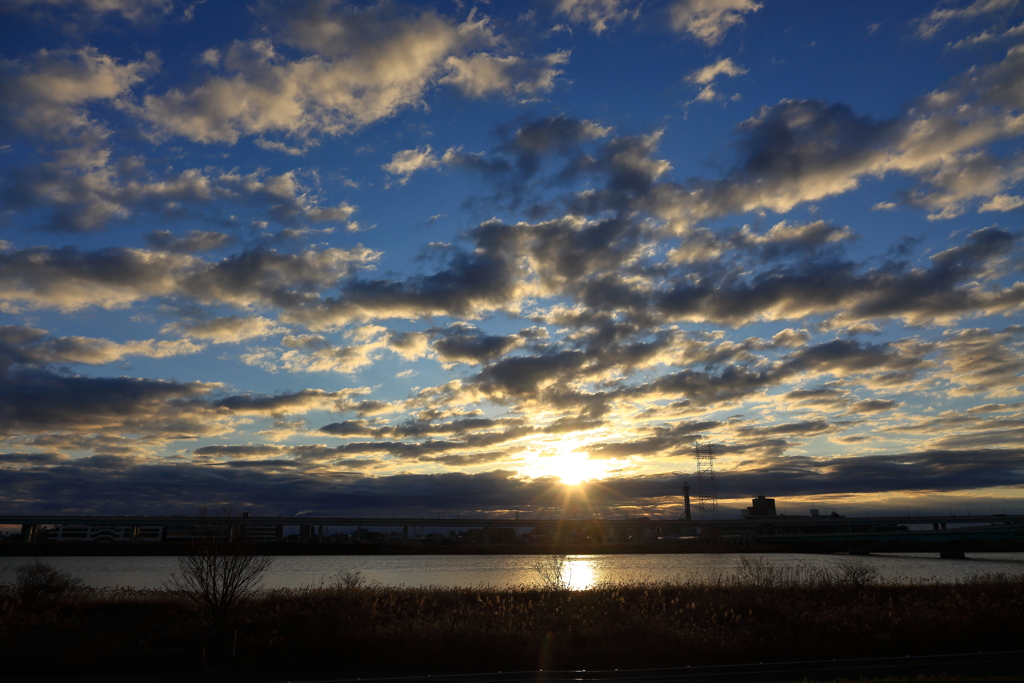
{"points": [[499, 571]]}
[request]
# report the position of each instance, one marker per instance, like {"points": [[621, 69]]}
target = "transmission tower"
{"points": [[707, 496]]}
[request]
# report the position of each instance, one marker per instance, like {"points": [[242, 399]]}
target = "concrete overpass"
{"points": [[944, 528]]}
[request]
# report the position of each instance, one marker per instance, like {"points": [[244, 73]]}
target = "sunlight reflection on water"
{"points": [[581, 572], [500, 571]]}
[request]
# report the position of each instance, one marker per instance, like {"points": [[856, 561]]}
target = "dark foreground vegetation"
{"points": [[50, 624]]}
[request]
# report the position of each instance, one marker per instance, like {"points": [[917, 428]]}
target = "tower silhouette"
{"points": [[707, 496]]}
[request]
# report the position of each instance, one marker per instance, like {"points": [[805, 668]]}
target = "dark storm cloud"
{"points": [[239, 451], [782, 241], [34, 401], [350, 428], [431, 449], [708, 388], [172, 487], [806, 428], [32, 459], [471, 283], [565, 252], [82, 185], [460, 426], [994, 408], [473, 429], [844, 357], [790, 476], [286, 403], [467, 344], [874, 405], [492, 275], [937, 470], [263, 490], [789, 272], [804, 150], [194, 241], [263, 464], [29, 346], [664, 440], [125, 416], [69, 278], [533, 139], [895, 290], [269, 276], [554, 379], [983, 361], [820, 397], [956, 428], [74, 15], [795, 141], [514, 164], [16, 343], [525, 375], [602, 264]]}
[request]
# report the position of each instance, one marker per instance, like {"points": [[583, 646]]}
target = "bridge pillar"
{"points": [[952, 554], [28, 532]]}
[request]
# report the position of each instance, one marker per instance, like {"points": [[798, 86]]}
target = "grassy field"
{"points": [[764, 613]]}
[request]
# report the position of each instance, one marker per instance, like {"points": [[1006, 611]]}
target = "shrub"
{"points": [[40, 581], [757, 572], [855, 572], [554, 572]]}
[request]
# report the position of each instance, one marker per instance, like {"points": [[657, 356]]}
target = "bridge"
{"points": [[949, 534], [779, 522]]}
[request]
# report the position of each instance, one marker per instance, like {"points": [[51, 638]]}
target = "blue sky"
{"points": [[371, 258]]}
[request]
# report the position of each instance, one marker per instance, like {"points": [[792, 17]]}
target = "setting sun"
{"points": [[565, 459]]}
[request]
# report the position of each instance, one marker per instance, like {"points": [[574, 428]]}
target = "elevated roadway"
{"points": [[766, 526]]}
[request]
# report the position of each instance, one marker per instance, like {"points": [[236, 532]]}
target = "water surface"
{"points": [[501, 571]]}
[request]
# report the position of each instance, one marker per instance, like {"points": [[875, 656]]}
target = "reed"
{"points": [[761, 613]]}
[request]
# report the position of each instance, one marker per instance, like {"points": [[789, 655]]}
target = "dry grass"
{"points": [[763, 613]]}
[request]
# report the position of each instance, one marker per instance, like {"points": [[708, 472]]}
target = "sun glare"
{"points": [[565, 459]]}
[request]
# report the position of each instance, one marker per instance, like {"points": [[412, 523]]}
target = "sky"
{"points": [[463, 258]]}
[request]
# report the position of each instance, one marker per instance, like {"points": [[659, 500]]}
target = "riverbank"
{"points": [[761, 615]]}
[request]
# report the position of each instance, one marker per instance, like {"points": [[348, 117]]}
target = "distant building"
{"points": [[501, 535], [761, 507]]}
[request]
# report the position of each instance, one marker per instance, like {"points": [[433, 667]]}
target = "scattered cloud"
{"points": [[600, 15], [355, 67], [928, 26], [709, 20]]}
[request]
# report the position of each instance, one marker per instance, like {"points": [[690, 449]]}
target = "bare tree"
{"points": [[218, 567], [38, 581], [554, 573]]}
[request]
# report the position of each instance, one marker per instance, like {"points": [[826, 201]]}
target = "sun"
{"points": [[565, 459]]}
